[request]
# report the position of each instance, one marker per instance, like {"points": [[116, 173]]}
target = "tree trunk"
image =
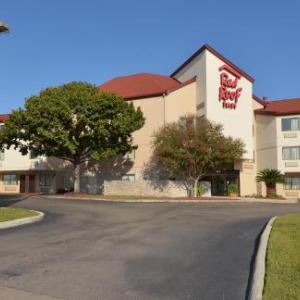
{"points": [[76, 177], [271, 190], [196, 186]]}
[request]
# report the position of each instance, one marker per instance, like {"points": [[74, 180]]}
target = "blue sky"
{"points": [[58, 41]]}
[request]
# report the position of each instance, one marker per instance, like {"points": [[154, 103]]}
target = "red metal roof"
{"points": [[280, 107], [140, 85], [3, 118]]}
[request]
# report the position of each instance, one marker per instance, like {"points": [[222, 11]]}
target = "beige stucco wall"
{"points": [[157, 112], [153, 110], [180, 102], [266, 142], [287, 139], [270, 141]]}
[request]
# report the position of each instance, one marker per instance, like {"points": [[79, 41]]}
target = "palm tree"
{"points": [[270, 177]]}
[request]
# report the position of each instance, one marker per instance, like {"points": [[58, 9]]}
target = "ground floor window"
{"points": [[10, 179], [45, 180], [128, 177], [292, 183]]}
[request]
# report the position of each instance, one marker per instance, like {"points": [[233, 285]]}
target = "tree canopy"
{"points": [[193, 147], [73, 122]]}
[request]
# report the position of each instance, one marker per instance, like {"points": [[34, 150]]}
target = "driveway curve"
{"points": [[102, 250]]}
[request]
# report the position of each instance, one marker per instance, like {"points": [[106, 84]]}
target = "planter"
{"points": [[233, 195]]}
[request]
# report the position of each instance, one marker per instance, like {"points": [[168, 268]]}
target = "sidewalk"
{"points": [[136, 199]]}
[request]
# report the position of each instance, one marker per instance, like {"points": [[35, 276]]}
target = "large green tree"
{"points": [[193, 147], [73, 122]]}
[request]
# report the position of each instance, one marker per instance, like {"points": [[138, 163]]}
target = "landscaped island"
{"points": [[283, 259], [9, 214]]}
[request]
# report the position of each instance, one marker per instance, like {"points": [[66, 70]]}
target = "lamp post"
{"points": [[3, 27]]}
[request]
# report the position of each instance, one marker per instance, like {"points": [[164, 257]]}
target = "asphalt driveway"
{"points": [[95, 250]]}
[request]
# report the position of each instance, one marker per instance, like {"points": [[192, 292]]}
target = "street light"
{"points": [[3, 27]]}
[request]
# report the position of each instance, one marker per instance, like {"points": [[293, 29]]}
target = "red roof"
{"points": [[3, 118], [280, 107], [217, 54], [140, 85]]}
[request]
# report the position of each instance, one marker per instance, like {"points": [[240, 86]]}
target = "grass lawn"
{"points": [[283, 260], [8, 214]]}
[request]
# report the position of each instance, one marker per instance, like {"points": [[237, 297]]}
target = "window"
{"points": [[291, 153], [2, 156], [288, 124], [45, 180], [130, 155], [292, 183], [128, 177], [10, 179], [32, 155]]}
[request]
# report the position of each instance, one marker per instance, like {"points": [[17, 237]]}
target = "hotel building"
{"points": [[206, 84]]}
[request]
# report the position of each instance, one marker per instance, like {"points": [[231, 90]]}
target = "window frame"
{"points": [[291, 185], [10, 181], [290, 153], [43, 182], [290, 124], [2, 155], [124, 176]]}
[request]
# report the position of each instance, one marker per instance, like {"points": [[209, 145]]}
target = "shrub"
{"points": [[60, 191], [202, 189], [232, 188]]}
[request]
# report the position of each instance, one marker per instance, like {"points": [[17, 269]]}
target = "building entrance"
{"points": [[221, 181]]}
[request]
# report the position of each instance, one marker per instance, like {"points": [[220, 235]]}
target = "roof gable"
{"points": [[217, 54]]}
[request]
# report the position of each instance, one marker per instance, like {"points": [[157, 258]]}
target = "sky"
{"points": [[58, 41]]}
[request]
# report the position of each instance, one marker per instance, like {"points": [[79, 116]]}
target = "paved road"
{"points": [[94, 250]]}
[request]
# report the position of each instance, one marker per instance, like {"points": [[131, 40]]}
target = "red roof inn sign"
{"points": [[229, 92]]}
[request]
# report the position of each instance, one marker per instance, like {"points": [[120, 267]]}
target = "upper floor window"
{"points": [[130, 155], [2, 155], [289, 124], [32, 155], [291, 153]]}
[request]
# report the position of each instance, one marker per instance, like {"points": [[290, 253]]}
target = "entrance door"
{"points": [[22, 184], [218, 186], [31, 183]]}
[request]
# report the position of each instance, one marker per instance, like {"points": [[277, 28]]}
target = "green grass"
{"points": [[283, 260], [9, 214]]}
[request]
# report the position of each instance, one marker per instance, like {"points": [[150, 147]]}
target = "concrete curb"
{"points": [[258, 279], [243, 200], [23, 221]]}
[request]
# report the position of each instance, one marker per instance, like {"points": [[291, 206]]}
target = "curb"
{"points": [[258, 279], [23, 221], [243, 200]]}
